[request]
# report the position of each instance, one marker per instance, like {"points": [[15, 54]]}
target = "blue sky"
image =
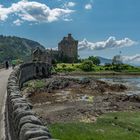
{"points": [[103, 27]]}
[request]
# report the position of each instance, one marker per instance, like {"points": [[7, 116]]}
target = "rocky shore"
{"points": [[96, 86], [65, 99]]}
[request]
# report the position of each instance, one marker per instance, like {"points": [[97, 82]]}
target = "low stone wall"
{"points": [[22, 123]]}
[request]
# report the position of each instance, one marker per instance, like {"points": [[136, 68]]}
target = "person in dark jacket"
{"points": [[6, 64]]}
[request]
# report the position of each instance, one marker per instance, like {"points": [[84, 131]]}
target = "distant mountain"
{"points": [[12, 47], [104, 60]]}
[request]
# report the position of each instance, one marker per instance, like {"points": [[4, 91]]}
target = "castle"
{"points": [[67, 52]]}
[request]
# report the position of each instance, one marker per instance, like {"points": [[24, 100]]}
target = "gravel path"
{"points": [[4, 74]]}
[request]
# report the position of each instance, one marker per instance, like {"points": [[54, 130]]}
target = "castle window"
{"points": [[37, 70]]}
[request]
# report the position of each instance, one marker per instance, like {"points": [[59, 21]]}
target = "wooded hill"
{"points": [[12, 47]]}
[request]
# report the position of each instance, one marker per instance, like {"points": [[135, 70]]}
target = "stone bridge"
{"points": [[21, 123]]}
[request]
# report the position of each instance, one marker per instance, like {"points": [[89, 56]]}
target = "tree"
{"points": [[87, 65], [95, 60]]}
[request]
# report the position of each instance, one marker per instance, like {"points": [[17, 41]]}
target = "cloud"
{"points": [[4, 13], [88, 6], [17, 22], [70, 4], [135, 59], [32, 11], [67, 19], [111, 42]]}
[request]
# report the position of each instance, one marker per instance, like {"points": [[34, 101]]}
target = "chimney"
{"points": [[69, 35]]}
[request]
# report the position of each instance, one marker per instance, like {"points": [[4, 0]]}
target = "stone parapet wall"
{"points": [[22, 123]]}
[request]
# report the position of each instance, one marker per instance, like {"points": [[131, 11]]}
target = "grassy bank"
{"points": [[111, 126], [103, 73], [75, 68]]}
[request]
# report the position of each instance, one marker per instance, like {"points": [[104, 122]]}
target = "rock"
{"points": [[42, 138], [19, 113], [115, 117], [30, 130], [57, 84], [84, 81], [29, 119], [36, 133], [22, 105]]}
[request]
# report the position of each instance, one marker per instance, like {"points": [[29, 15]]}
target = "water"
{"points": [[132, 82], [127, 80]]}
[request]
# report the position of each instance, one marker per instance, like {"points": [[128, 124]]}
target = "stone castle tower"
{"points": [[68, 49], [67, 52]]}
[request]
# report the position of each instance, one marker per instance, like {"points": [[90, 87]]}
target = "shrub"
{"points": [[58, 70], [108, 64], [107, 69], [77, 66], [94, 59], [117, 67], [64, 66], [69, 69], [86, 65]]}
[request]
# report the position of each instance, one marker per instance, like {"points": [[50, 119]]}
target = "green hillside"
{"points": [[12, 47]]}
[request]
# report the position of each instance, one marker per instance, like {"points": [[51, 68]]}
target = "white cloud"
{"points": [[34, 12], [111, 42], [71, 4], [88, 6], [135, 59], [17, 22], [4, 13], [67, 19]]}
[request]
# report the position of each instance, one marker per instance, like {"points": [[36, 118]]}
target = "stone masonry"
{"points": [[22, 122]]}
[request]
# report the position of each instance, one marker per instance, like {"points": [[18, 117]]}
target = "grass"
{"points": [[75, 67], [35, 84], [63, 67], [111, 126]]}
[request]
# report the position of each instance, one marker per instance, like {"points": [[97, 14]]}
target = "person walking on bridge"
{"points": [[6, 64]]}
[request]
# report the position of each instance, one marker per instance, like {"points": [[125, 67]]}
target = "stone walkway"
{"points": [[4, 74]]}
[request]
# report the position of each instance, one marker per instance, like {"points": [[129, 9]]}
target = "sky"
{"points": [[102, 27]]}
